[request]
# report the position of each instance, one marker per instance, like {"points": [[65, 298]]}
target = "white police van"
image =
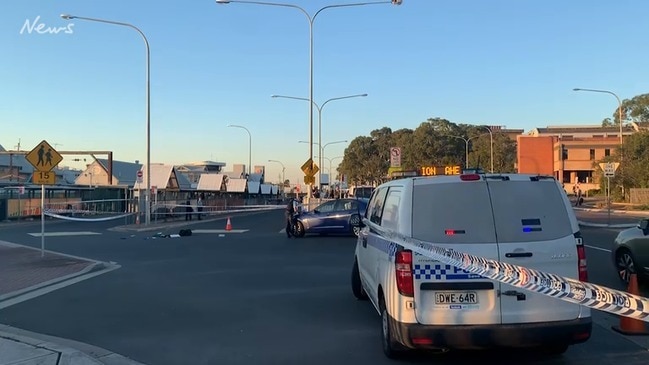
{"points": [[520, 219]]}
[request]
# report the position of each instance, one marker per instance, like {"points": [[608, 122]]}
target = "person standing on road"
{"points": [[291, 209], [188, 210]]}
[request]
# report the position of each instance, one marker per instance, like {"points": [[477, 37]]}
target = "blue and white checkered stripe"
{"points": [[571, 290], [441, 272]]}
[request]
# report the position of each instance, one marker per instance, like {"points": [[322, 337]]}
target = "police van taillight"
{"points": [[403, 270], [582, 264]]}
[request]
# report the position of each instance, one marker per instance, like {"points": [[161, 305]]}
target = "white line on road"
{"points": [[598, 248], [219, 231], [61, 234], [51, 288]]}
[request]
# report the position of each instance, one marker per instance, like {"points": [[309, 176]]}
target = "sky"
{"points": [[499, 62]]}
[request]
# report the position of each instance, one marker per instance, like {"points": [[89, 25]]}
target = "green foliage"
{"points": [[435, 142], [635, 109]]}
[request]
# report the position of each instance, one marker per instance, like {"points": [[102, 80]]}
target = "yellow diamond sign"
{"points": [[44, 157]]}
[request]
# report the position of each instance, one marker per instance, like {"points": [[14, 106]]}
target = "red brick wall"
{"points": [[535, 155]]}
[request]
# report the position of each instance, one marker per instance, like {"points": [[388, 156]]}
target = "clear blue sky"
{"points": [[497, 62]]}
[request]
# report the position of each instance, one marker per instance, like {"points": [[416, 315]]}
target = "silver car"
{"points": [[631, 251]]}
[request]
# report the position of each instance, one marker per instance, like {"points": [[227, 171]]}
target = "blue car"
{"points": [[335, 216]]}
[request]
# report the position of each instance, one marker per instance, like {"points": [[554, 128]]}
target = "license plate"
{"points": [[463, 297]]}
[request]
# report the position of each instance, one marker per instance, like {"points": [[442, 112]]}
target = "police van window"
{"points": [[375, 209], [527, 211], [452, 213], [390, 217]]}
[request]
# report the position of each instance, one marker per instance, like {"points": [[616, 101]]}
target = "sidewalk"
{"points": [[26, 274], [20, 347]]}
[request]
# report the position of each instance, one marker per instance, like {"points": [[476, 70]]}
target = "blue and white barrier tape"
{"points": [[571, 290]]}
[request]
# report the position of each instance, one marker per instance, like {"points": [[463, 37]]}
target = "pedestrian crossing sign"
{"points": [[44, 157]]}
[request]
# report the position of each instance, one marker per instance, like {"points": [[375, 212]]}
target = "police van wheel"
{"points": [[357, 285], [390, 347]]}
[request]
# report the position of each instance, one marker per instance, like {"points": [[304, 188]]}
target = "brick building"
{"points": [[569, 153]]}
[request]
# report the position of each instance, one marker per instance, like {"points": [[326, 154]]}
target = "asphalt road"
{"points": [[254, 297]]}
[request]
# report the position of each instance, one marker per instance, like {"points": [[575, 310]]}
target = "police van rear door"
{"points": [[534, 231], [454, 213]]}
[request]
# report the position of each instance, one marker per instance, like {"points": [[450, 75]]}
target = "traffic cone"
{"points": [[631, 326], [228, 225]]}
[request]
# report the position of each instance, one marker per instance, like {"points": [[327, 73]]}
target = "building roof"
{"points": [[579, 129], [204, 163], [253, 187], [266, 189], [124, 172], [210, 182], [18, 161], [163, 177], [236, 185]]}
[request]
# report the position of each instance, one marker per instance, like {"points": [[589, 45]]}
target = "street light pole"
{"points": [[311, 19], [249, 146], [466, 148], [619, 102], [320, 108], [491, 143], [322, 150], [283, 168], [148, 103], [619, 108]]}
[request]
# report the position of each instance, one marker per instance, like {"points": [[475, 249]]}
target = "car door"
{"points": [[322, 217], [372, 244], [534, 231]]}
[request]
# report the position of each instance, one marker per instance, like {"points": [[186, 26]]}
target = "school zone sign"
{"points": [[38, 27]]}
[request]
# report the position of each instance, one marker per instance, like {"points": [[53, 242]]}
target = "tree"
{"points": [[633, 110]]}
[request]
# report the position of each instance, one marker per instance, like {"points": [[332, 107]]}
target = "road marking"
{"points": [[61, 234], [51, 288], [598, 248], [219, 231]]}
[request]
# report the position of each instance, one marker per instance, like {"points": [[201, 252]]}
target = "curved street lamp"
{"points": [[319, 108], [311, 19], [619, 102], [322, 149], [466, 149], [148, 102], [283, 169], [249, 146]]}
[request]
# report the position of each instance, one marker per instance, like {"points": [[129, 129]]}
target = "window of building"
{"points": [[585, 176], [607, 152], [592, 154]]}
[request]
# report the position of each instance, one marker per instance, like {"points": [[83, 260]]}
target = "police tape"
{"points": [[50, 213], [587, 294]]}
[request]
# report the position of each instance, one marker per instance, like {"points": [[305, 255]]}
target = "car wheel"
{"points": [[625, 264], [357, 285], [390, 346], [354, 221], [299, 229]]}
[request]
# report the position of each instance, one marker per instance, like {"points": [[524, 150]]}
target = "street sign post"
{"points": [[44, 158], [139, 177], [395, 157], [310, 169], [609, 171]]}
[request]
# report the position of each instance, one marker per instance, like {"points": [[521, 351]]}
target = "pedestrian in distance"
{"points": [[188, 210], [291, 209]]}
